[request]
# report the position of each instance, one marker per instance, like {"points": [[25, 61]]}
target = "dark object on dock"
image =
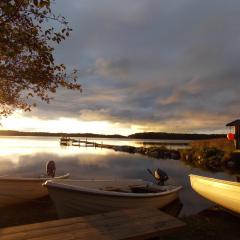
{"points": [[119, 225], [159, 175], [236, 124], [51, 169]]}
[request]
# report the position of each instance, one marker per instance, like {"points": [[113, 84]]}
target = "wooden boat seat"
{"points": [[146, 189], [140, 188], [114, 189], [121, 188]]}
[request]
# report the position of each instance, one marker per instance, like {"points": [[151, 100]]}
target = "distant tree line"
{"points": [[47, 134], [174, 136], [146, 135]]}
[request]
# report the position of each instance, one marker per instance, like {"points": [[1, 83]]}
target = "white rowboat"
{"points": [[221, 192], [83, 197], [14, 190]]}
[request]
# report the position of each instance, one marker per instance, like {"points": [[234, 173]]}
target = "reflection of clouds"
{"points": [[6, 166], [14, 147], [88, 163]]}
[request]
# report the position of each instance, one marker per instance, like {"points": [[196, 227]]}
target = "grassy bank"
{"points": [[215, 155], [210, 224]]}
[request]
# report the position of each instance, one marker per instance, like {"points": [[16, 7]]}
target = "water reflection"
{"points": [[27, 157]]}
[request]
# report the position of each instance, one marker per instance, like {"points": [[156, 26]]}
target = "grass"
{"points": [[210, 224], [220, 143], [214, 155]]}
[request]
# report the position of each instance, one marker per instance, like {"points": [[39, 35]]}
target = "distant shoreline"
{"points": [[145, 135]]}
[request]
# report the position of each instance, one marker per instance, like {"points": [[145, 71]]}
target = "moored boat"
{"points": [[83, 197], [14, 190], [221, 192]]}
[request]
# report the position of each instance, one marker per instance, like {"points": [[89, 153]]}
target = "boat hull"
{"points": [[19, 190], [223, 193], [70, 203]]}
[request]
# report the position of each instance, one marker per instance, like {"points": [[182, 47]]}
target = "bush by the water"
{"points": [[215, 155]]}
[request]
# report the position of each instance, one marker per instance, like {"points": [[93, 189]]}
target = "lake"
{"points": [[27, 156]]}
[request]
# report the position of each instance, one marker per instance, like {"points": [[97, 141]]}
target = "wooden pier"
{"points": [[79, 142], [118, 225]]}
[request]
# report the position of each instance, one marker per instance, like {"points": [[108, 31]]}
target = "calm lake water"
{"points": [[26, 156]]}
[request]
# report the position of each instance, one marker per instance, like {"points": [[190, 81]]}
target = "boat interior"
{"points": [[124, 186]]}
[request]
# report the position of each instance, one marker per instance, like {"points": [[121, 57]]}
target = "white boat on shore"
{"points": [[14, 190], [83, 197], [221, 192]]}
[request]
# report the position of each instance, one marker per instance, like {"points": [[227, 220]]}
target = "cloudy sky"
{"points": [[145, 65]]}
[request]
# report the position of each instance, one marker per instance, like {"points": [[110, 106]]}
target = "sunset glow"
{"points": [[110, 109], [140, 74], [65, 125]]}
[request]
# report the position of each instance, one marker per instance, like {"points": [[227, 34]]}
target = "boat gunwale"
{"points": [[227, 182], [23, 179], [84, 190]]}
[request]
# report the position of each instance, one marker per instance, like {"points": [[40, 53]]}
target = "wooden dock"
{"points": [[118, 225], [67, 141]]}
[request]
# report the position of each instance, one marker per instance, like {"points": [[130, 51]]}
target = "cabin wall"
{"points": [[237, 137]]}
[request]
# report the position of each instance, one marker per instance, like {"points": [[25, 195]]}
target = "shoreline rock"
{"points": [[212, 158], [154, 152]]}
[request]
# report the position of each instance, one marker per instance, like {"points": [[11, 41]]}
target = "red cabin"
{"points": [[235, 124]]}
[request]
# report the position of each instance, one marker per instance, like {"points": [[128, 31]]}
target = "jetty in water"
{"points": [[152, 151], [68, 141]]}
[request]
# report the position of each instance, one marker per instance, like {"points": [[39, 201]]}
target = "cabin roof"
{"points": [[234, 123]]}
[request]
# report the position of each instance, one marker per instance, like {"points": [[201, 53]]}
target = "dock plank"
{"points": [[113, 216], [118, 225]]}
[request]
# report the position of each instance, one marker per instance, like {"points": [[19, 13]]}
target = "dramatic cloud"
{"points": [[159, 65]]}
